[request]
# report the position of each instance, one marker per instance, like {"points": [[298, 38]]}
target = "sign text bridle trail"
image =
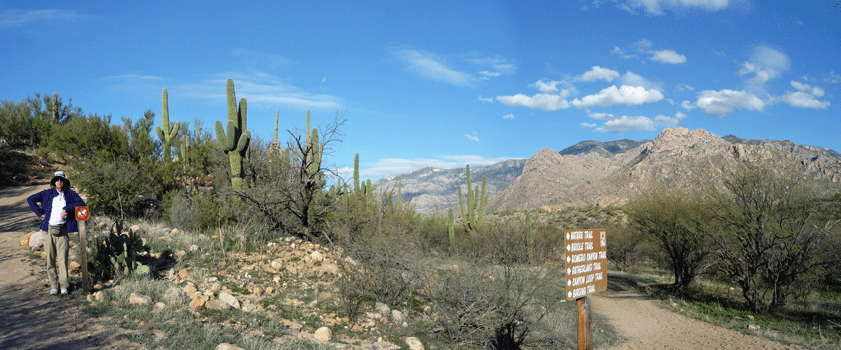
{"points": [[586, 274]]}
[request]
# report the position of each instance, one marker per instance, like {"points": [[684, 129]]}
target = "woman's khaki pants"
{"points": [[57, 246]]}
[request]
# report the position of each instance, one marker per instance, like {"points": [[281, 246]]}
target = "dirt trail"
{"points": [[646, 325], [31, 318]]}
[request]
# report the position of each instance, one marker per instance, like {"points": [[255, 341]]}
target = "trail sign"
{"points": [[82, 213], [586, 262]]}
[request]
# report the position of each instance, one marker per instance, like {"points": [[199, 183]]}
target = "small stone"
{"points": [[160, 305], [750, 317], [382, 308], [229, 299], [190, 289], [194, 248], [198, 301], [323, 334], [99, 296], [183, 273], [414, 343], [226, 346], [74, 267], [24, 241], [175, 232], [134, 228], [90, 298], [398, 318], [139, 299], [753, 327], [216, 304], [36, 240], [269, 291], [257, 291]]}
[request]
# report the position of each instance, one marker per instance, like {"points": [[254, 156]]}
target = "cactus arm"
{"points": [[244, 140], [160, 132]]}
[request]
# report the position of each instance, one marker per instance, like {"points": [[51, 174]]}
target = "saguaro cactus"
{"points": [[166, 132], [475, 204], [235, 142]]}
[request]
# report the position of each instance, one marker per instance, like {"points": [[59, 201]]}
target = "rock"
{"points": [[323, 334], [398, 318], [382, 308], [330, 269], [226, 346], [257, 291], [414, 343], [753, 327], [190, 289], [99, 296], [36, 240], [216, 304], [174, 293], [24, 241], [174, 232], [316, 257], [139, 299], [74, 267], [90, 298], [269, 291], [160, 305], [134, 228], [229, 299], [194, 248], [198, 301], [183, 273]]}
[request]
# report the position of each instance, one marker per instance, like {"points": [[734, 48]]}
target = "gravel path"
{"points": [[646, 325], [30, 318]]}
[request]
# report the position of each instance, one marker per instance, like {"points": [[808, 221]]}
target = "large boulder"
{"points": [[36, 240]]}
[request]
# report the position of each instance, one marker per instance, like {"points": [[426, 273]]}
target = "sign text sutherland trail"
{"points": [[586, 262]]}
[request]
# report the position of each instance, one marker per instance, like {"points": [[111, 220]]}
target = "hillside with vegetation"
{"points": [[208, 237]]}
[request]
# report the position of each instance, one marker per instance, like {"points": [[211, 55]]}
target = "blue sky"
{"points": [[443, 83]]}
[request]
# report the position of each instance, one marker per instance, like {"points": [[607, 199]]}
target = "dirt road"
{"points": [[645, 325], [31, 318]]}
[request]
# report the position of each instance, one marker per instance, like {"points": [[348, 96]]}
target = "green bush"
{"points": [[116, 187]]}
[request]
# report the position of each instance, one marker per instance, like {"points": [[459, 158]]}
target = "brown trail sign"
{"points": [[586, 274]]}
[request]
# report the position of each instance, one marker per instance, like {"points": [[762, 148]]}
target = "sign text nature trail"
{"points": [[586, 262]]}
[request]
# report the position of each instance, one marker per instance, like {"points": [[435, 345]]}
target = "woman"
{"points": [[56, 203]]}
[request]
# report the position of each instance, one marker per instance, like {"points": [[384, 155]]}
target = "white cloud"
{"points": [[599, 73], [618, 51], [765, 64], [491, 66], [260, 87], [588, 125], [546, 87], [655, 7], [670, 122], [643, 46], [600, 116], [803, 100], [814, 91], [633, 79], [547, 100], [508, 116], [687, 105], [473, 137], [668, 56], [432, 66], [489, 99], [627, 95], [722, 102], [626, 123]]}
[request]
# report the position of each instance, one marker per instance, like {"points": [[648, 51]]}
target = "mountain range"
{"points": [[611, 173]]}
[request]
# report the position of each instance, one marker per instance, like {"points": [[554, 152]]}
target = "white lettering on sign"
{"points": [[588, 234], [577, 258], [591, 288], [577, 281], [576, 235], [602, 255], [579, 292], [599, 276], [592, 256], [575, 247], [597, 266]]}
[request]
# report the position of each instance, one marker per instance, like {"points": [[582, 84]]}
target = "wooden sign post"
{"points": [[82, 215], [586, 274]]}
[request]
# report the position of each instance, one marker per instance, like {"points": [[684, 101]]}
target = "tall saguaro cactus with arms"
{"points": [[476, 201], [167, 132], [235, 142]]}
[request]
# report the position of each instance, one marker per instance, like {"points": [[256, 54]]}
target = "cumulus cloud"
{"points": [[600, 116], [687, 105], [489, 99], [670, 122], [549, 98], [508, 116], [626, 95], [722, 102], [619, 52], [626, 123], [599, 73], [668, 56], [765, 64], [805, 97], [633, 79]]}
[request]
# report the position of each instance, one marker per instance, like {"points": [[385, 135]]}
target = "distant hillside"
{"points": [[431, 188], [605, 149], [678, 157]]}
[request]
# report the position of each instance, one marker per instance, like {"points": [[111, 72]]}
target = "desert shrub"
{"points": [[202, 210], [116, 187], [625, 246]]}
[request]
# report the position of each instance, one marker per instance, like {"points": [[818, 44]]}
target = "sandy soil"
{"points": [[645, 325], [31, 318]]}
